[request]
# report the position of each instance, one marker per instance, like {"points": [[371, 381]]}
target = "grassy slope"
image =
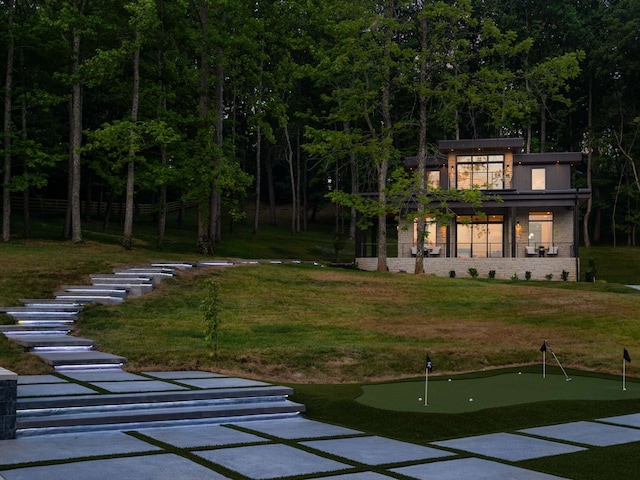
{"points": [[305, 324]]}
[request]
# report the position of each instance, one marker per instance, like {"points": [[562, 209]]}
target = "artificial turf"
{"points": [[454, 394]]}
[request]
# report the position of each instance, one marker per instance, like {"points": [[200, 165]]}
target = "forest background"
{"points": [[223, 102]]}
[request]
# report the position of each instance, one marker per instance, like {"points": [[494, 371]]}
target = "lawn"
{"points": [[330, 332]]}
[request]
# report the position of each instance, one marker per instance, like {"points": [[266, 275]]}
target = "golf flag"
{"points": [[543, 348], [429, 365], [625, 359]]}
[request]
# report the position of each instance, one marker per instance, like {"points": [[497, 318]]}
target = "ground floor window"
{"points": [[479, 236], [540, 229], [429, 231]]}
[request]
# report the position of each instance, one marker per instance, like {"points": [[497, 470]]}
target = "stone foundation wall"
{"points": [[505, 268], [8, 400]]}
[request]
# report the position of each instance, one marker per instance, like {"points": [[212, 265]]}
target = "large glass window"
{"points": [[480, 171], [433, 179], [479, 237], [429, 231], [538, 179], [541, 229]]}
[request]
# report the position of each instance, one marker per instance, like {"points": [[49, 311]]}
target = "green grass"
{"points": [[329, 332]]}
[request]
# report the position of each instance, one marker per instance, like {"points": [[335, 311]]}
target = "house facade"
{"points": [[527, 227]]}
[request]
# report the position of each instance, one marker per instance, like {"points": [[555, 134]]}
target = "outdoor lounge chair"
{"points": [[531, 251], [553, 252]]}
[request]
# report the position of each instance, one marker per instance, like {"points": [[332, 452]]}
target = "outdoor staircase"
{"points": [[37, 415], [44, 326]]}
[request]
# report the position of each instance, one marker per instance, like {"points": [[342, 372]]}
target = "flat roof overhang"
{"points": [[534, 199], [547, 158], [488, 144]]}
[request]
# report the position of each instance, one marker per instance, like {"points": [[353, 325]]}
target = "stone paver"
{"points": [[471, 468], [193, 436], [52, 389], [29, 379], [632, 420], [221, 382], [509, 447], [67, 445], [183, 375], [114, 375], [271, 461], [156, 467], [588, 433], [138, 386], [298, 428], [376, 450]]}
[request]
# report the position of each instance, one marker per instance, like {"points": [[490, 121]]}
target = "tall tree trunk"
{"points": [[587, 213], [355, 185], [294, 197], [256, 212], [162, 194], [422, 149], [273, 217], [8, 84], [127, 239], [76, 140], [203, 246]]}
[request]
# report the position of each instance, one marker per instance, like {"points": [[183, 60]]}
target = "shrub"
{"points": [[564, 275], [549, 276], [452, 274], [515, 277], [527, 275], [473, 272], [492, 274]]}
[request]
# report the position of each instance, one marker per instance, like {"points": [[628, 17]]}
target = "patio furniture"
{"points": [[435, 251], [541, 251], [553, 252], [531, 251]]}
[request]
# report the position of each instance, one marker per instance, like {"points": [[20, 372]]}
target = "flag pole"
{"points": [[625, 359], [543, 349], [428, 366], [426, 387]]}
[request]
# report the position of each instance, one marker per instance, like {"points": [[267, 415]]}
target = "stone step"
{"points": [[21, 329], [53, 309], [48, 321], [81, 360], [154, 277], [134, 289], [97, 412], [88, 298], [119, 291], [48, 303], [115, 278], [53, 341], [176, 265]]}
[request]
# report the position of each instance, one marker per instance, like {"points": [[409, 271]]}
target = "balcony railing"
{"points": [[468, 250]]}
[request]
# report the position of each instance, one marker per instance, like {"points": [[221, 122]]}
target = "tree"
{"points": [[6, 192]]}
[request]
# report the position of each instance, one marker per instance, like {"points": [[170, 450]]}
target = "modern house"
{"points": [[528, 224]]}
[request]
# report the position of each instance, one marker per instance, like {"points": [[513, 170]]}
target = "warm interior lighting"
{"points": [[518, 230]]}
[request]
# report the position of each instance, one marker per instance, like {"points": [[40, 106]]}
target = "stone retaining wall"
{"points": [[8, 401], [505, 268]]}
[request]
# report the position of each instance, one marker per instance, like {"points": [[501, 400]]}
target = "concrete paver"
{"points": [[194, 436], [297, 428], [632, 420], [138, 386], [471, 468], [52, 389], [66, 446], [587, 433], [221, 382], [376, 450], [183, 375], [271, 461], [156, 467], [28, 379], [114, 375], [506, 446]]}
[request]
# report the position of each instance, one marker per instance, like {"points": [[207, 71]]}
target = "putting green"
{"points": [[471, 394]]}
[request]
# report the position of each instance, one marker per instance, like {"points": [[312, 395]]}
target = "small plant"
{"points": [[590, 274], [473, 272], [210, 307], [492, 274], [527, 275], [515, 277], [452, 274], [549, 276], [564, 275]]}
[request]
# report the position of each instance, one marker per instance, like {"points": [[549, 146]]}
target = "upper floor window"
{"points": [[480, 171], [538, 179], [433, 179]]}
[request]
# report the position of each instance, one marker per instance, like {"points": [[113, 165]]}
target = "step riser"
{"points": [[28, 432]]}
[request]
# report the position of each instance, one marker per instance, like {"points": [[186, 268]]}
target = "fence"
{"points": [[51, 205]]}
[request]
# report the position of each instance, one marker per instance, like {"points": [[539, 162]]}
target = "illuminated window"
{"points": [[480, 171], [541, 229], [538, 179], [433, 179], [479, 237]]}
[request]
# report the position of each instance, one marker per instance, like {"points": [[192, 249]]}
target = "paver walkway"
{"points": [[291, 446]]}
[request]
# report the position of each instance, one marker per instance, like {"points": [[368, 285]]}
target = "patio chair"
{"points": [[553, 252], [531, 251], [435, 251]]}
